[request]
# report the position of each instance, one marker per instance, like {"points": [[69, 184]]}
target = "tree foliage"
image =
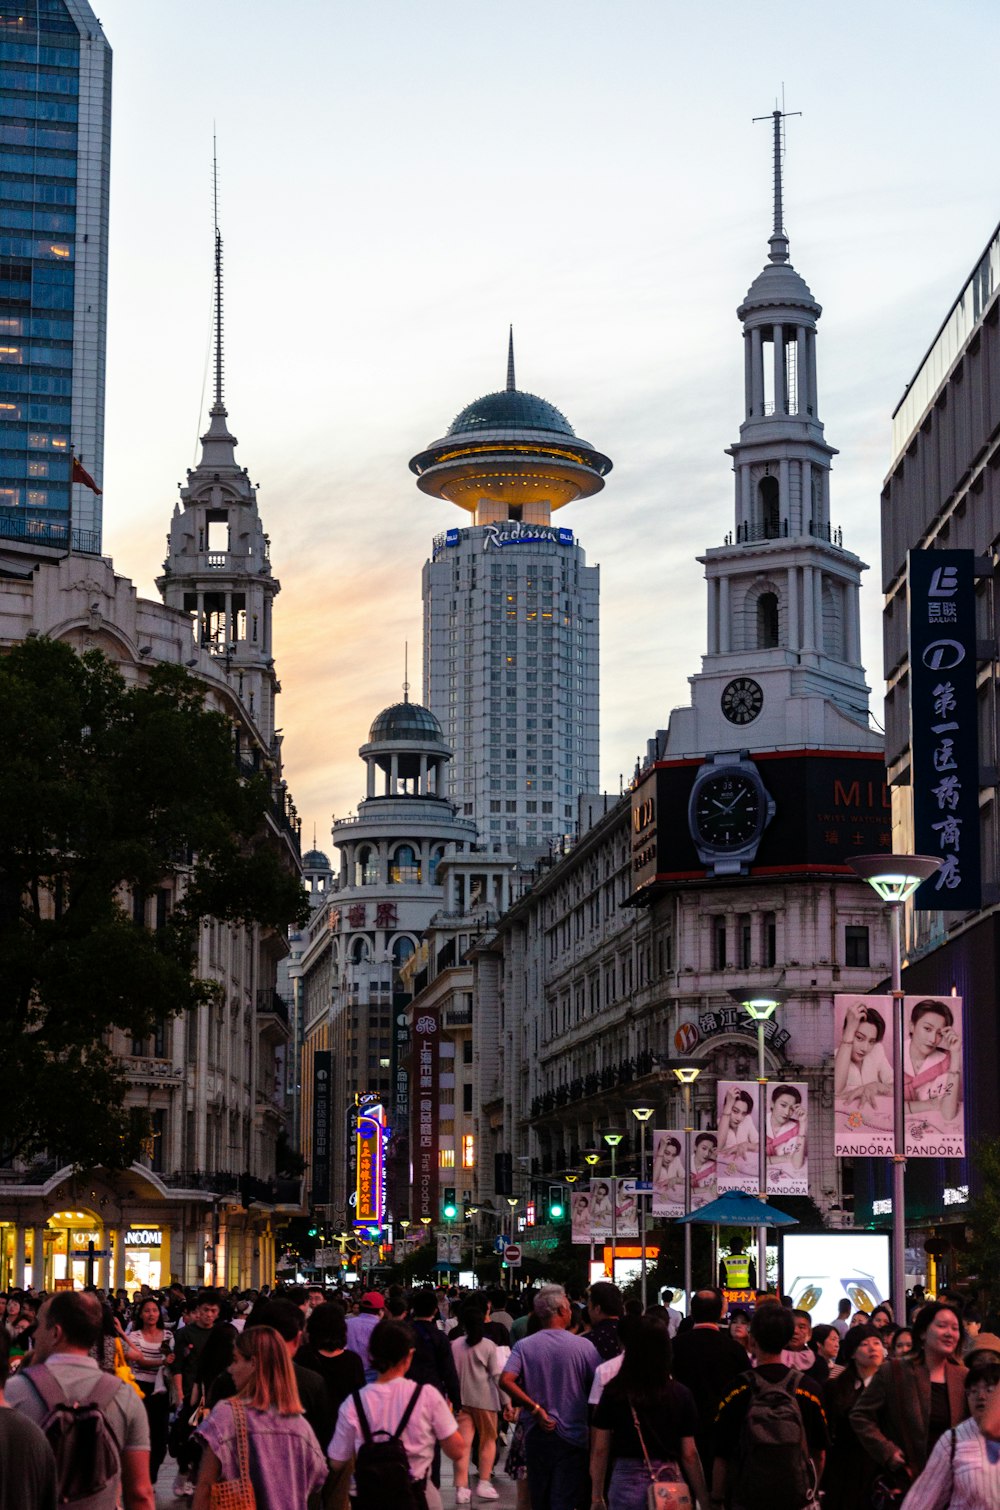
{"points": [[108, 791], [983, 1224]]}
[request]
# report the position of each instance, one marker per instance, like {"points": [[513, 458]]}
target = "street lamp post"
{"points": [[612, 1139], [512, 1202], [687, 1072], [760, 1006], [895, 878], [591, 1158], [642, 1115]]}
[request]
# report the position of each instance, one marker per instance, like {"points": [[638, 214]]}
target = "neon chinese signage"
{"points": [[370, 1139]]}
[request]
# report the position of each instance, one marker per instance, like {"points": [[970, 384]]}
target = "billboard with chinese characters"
{"points": [[424, 1101], [787, 1134], [738, 1152], [944, 728], [322, 1084], [371, 1134], [829, 805], [668, 1172], [864, 1076]]}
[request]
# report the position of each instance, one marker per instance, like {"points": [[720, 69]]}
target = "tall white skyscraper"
{"points": [[511, 629]]}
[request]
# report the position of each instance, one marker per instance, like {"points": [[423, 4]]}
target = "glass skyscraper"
{"points": [[55, 140]]}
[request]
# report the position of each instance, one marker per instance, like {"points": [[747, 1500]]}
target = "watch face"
{"points": [[742, 700], [728, 810]]}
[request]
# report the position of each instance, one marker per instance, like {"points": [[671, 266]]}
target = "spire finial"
{"points": [[406, 671], [778, 240], [218, 275], [511, 385]]}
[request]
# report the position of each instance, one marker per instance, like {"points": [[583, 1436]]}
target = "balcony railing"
{"points": [[270, 1003], [51, 532]]}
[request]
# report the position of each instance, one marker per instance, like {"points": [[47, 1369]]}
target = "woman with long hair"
{"points": [[479, 1364], [644, 1423], [913, 1401], [285, 1464], [326, 1352], [149, 1349], [850, 1471], [738, 1138]]}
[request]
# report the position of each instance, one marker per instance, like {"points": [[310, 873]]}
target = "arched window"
{"points": [[404, 866], [402, 948], [360, 951], [437, 855], [767, 621], [366, 866], [767, 497]]}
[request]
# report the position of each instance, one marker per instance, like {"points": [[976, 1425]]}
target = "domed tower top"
{"points": [[405, 744], [510, 455]]}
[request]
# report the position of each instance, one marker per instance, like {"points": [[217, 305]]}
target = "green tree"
{"points": [[982, 1261], [109, 792]]}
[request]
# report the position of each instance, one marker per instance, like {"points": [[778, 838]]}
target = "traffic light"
{"points": [[449, 1206], [557, 1203]]}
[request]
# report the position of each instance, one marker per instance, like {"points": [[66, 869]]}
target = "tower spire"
{"points": [[218, 275], [778, 240], [511, 385]]}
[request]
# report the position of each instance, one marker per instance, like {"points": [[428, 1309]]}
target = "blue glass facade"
{"points": [[54, 155]]}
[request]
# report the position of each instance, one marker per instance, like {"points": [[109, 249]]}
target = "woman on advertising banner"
{"points": [[579, 1205], [738, 1137], [704, 1170], [932, 1078], [787, 1171], [862, 1077], [668, 1173]]}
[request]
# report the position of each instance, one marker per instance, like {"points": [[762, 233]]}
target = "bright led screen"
{"points": [[828, 1267]]}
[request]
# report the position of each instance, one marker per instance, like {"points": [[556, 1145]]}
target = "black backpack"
{"points": [[774, 1469], [382, 1469], [87, 1456]]}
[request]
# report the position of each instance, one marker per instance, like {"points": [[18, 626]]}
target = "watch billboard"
{"points": [[828, 806]]}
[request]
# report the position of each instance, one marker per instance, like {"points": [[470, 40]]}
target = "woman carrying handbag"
{"points": [[259, 1454], [644, 1427]]}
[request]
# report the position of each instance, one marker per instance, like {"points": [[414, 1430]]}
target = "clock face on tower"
{"points": [[728, 810], [742, 700]]}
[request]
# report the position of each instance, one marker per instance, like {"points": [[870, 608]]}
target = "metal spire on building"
{"points": [[778, 239], [511, 385], [218, 276]]}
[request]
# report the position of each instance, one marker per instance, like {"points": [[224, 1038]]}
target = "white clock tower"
{"points": [[783, 668]]}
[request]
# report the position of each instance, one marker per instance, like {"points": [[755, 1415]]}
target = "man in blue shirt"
{"points": [[549, 1375]]}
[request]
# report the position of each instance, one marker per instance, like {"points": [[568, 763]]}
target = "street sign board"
{"points": [[633, 1187], [512, 1256]]}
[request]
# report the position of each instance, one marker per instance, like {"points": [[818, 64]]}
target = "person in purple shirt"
{"points": [[549, 1375], [360, 1328]]}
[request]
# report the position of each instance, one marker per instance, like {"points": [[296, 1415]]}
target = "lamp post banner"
{"points": [[668, 1171], [862, 1076], [579, 1208], [626, 1211], [739, 1123], [932, 1076], [704, 1167], [601, 1204], [944, 725], [787, 1133]]}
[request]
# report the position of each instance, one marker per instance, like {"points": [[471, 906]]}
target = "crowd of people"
{"points": [[302, 1396]]}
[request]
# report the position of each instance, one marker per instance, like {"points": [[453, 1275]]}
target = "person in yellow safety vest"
{"points": [[738, 1271]]}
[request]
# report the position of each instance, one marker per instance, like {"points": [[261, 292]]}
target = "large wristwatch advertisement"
{"points": [[728, 811]]}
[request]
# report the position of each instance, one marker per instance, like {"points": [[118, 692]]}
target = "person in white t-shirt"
{"points": [[391, 1346]]}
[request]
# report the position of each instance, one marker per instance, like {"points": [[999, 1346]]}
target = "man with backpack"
{"points": [[95, 1423], [770, 1433]]}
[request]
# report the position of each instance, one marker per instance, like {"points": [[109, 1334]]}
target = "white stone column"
{"points": [[370, 785], [757, 359], [746, 489], [818, 591], [393, 774], [713, 616], [808, 611], [20, 1247], [801, 371], [852, 624], [793, 608], [38, 1275], [813, 395], [805, 498], [747, 374], [725, 644], [780, 396], [423, 776]]}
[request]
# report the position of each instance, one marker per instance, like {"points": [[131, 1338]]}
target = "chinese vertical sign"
{"points": [[425, 1103], [321, 1128], [943, 725], [369, 1208]]}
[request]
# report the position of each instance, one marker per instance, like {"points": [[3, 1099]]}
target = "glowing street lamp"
{"points": [[760, 1007], [642, 1115], [895, 878], [686, 1072]]}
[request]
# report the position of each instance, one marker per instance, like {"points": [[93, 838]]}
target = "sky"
{"points": [[399, 181]]}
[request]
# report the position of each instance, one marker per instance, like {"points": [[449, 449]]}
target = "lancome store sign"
{"points": [[143, 1237]]}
